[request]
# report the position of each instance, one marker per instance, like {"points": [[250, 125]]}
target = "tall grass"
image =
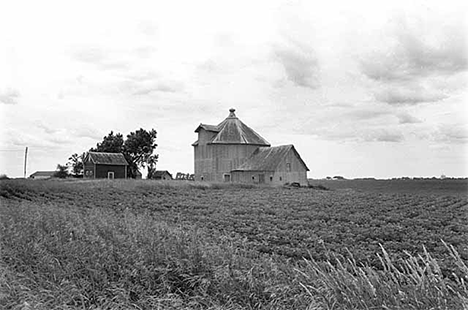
{"points": [[84, 259], [413, 283]]}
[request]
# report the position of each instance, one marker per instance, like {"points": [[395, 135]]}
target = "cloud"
{"points": [[144, 51], [409, 95], [356, 134], [86, 132], [412, 57], [167, 87], [300, 64], [102, 58], [454, 133], [9, 96], [405, 118], [47, 129], [361, 114], [93, 55], [419, 65], [148, 28], [384, 135]]}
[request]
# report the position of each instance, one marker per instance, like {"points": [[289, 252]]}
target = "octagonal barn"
{"points": [[233, 152]]}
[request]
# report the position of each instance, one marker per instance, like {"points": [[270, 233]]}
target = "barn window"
{"points": [[281, 179], [201, 178], [227, 177], [253, 178], [288, 167], [271, 178]]}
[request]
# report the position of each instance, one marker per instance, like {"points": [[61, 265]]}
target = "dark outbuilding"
{"points": [[42, 175], [162, 175], [99, 165]]}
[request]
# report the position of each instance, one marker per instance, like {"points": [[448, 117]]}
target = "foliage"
{"points": [[151, 162], [4, 177], [138, 149], [112, 143], [75, 162], [61, 171]]}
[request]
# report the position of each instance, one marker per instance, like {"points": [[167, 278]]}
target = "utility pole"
{"points": [[25, 160]]}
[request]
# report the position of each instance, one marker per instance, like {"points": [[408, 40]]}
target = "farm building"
{"points": [[234, 152], [99, 165], [42, 175], [162, 175]]}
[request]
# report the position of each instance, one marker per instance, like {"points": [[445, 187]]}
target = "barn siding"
{"points": [[280, 176], [205, 136], [102, 170], [253, 177], [298, 171], [88, 169], [212, 161]]}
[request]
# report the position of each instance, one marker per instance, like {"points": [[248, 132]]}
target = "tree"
{"points": [[138, 150], [61, 171], [110, 144], [152, 160], [75, 162]]}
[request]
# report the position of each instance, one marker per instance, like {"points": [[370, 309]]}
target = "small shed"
{"points": [[100, 165], [272, 165], [162, 175], [42, 175]]}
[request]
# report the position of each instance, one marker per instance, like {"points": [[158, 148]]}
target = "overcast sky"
{"points": [[375, 88]]}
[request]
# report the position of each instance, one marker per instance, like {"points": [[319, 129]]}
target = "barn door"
{"points": [[110, 175], [261, 178]]}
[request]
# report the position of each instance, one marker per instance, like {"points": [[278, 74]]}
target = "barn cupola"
{"points": [[231, 113], [233, 131]]}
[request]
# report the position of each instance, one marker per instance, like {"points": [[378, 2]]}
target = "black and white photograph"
{"points": [[221, 155]]}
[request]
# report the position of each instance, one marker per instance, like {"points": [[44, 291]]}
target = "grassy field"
{"points": [[414, 187], [186, 245]]}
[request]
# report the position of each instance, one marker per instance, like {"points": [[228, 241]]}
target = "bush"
{"points": [[61, 172]]}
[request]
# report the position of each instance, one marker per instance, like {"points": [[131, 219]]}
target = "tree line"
{"points": [[137, 147]]}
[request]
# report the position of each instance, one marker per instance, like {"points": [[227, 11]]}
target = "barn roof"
{"points": [[102, 158], [43, 174], [160, 173], [207, 128], [233, 131], [268, 158]]}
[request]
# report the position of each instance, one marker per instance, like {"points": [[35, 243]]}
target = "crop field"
{"points": [[186, 245]]}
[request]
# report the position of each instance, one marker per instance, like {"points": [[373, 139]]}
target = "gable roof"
{"points": [[43, 174], [268, 158], [233, 131], [101, 158], [160, 173], [207, 128]]}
